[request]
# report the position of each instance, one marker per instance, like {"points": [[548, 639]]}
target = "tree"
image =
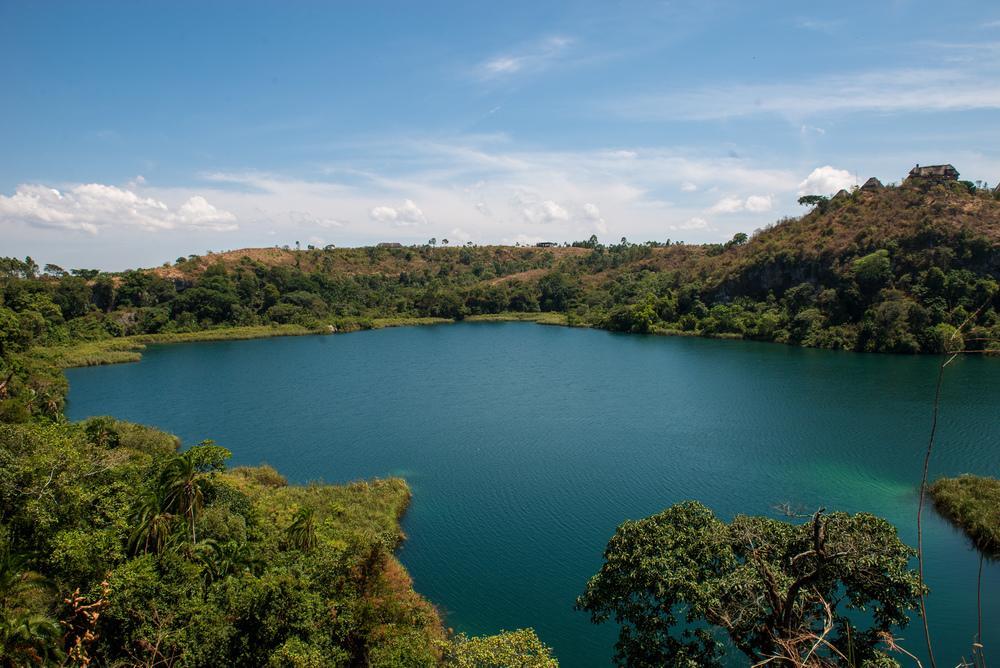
{"points": [[520, 648], [220, 560], [873, 271], [72, 295], [301, 534], [29, 640], [556, 291], [773, 587], [152, 522], [26, 637], [814, 200], [103, 293], [183, 488]]}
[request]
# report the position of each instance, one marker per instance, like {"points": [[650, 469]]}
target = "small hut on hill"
{"points": [[841, 194], [935, 173], [872, 185]]}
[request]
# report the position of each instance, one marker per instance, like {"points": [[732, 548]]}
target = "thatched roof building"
{"points": [[872, 185], [934, 173]]}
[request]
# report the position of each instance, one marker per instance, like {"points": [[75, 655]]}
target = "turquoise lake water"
{"points": [[526, 445]]}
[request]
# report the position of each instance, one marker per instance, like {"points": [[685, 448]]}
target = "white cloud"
{"points": [[532, 57], [458, 235], [406, 215], [503, 64], [688, 187], [198, 212], [546, 211], [819, 25], [826, 180], [695, 223], [727, 205], [759, 203], [753, 204], [306, 219], [92, 207], [593, 215]]}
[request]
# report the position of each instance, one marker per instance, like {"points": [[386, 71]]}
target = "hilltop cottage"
{"points": [[546, 244], [934, 173]]}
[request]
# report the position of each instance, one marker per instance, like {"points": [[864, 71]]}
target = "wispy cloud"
{"points": [[493, 191], [529, 58], [889, 91], [827, 26]]}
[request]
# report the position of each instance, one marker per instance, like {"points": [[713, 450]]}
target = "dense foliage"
{"points": [[774, 590], [514, 649], [193, 565]]}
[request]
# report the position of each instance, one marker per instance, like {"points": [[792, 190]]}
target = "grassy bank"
{"points": [[129, 348], [973, 504], [382, 323], [540, 317]]}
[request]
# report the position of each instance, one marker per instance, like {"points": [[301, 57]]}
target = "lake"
{"points": [[526, 445]]}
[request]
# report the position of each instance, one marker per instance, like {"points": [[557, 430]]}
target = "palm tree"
{"points": [[301, 533], [26, 638], [183, 485], [17, 582], [152, 521], [220, 560]]}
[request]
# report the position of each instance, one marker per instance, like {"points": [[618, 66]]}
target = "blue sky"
{"points": [[131, 133]]}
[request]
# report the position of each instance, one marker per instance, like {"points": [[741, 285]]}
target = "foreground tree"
{"points": [[520, 648], [774, 589]]}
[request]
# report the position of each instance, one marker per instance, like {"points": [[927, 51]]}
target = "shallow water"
{"points": [[525, 447]]}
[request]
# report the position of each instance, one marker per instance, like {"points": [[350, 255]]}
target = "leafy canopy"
{"points": [[681, 580]]}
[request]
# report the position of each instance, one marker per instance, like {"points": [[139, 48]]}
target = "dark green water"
{"points": [[525, 446]]}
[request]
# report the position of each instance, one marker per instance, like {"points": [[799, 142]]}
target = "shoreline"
{"points": [[122, 350], [126, 349]]}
